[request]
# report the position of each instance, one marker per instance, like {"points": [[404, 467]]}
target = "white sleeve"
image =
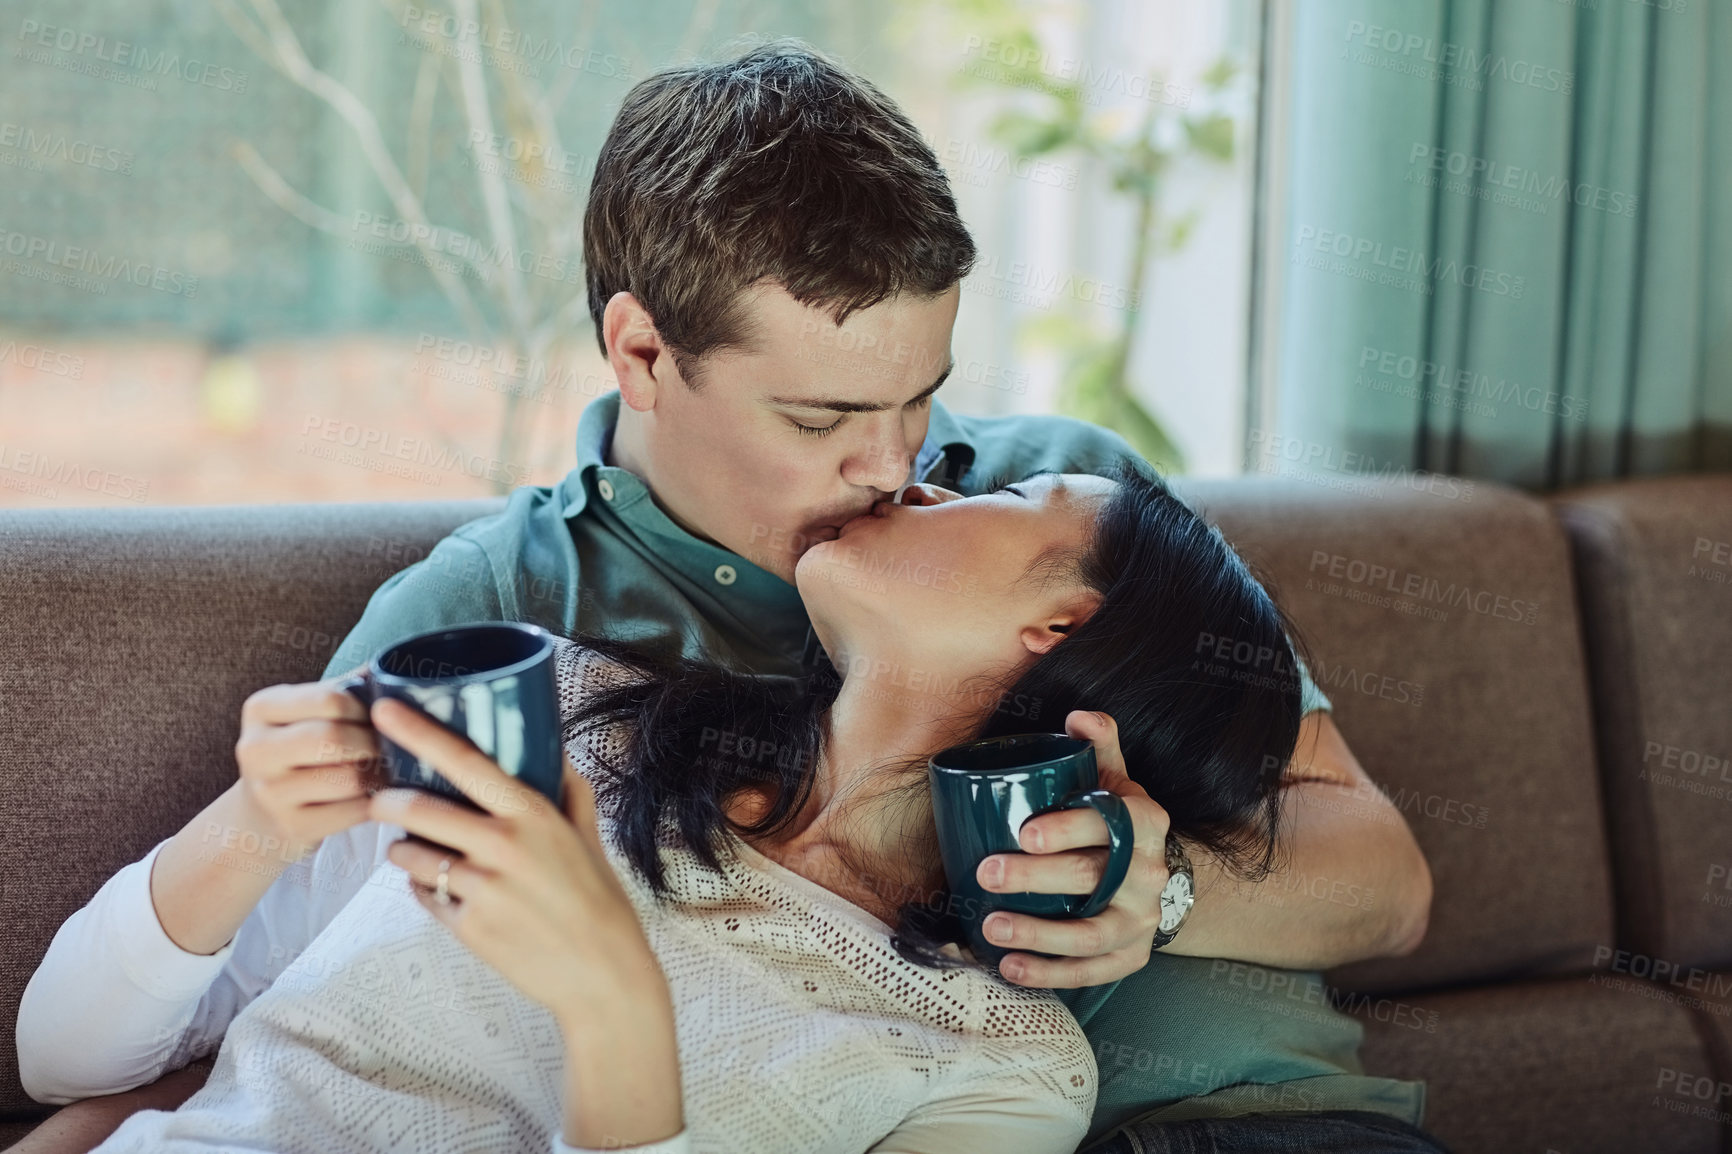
{"points": [[679, 1144], [115, 1002]]}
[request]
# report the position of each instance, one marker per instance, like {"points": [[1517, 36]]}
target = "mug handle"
{"points": [[1120, 838]]}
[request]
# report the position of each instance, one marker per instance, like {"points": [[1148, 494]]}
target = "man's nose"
{"points": [[921, 493], [884, 465]]}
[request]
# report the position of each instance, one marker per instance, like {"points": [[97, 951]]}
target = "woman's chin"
{"points": [[812, 567], [824, 578], [815, 550]]}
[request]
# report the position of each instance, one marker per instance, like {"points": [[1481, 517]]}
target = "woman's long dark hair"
{"points": [[1186, 651]]}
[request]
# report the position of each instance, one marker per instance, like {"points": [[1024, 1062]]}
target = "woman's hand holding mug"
{"points": [[533, 894], [308, 761]]}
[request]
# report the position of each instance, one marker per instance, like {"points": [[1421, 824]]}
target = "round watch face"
{"points": [[1175, 902]]}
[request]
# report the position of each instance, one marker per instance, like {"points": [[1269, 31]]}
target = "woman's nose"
{"points": [[921, 493]]}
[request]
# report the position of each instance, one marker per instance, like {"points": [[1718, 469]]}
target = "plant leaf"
{"points": [[1147, 437], [1179, 233], [1088, 393], [1032, 135], [1211, 135], [1064, 332], [1220, 73]]}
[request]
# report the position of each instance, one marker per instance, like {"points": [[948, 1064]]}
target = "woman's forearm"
{"points": [[212, 873], [622, 1068]]}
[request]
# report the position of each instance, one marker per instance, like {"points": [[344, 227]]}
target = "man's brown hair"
{"points": [[780, 165]]}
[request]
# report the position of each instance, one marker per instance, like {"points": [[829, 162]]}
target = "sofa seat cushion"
{"points": [[1572, 1064]]}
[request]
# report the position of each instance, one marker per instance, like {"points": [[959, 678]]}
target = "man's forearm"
{"points": [[1350, 883]]}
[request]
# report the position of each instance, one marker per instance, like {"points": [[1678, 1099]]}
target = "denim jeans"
{"points": [[1343, 1131]]}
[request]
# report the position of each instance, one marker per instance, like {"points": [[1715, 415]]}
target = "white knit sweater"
{"points": [[350, 1019]]}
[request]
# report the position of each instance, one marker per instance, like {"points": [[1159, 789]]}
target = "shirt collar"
{"points": [[948, 451], [594, 434]]}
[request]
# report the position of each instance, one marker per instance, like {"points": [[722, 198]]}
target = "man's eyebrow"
{"points": [[860, 406]]}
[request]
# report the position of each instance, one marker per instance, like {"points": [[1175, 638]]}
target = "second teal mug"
{"points": [[984, 790]]}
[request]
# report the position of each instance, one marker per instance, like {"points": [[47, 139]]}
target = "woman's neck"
{"points": [[866, 831]]}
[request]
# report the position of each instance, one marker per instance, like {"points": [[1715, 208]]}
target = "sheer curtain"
{"points": [[1504, 239]]}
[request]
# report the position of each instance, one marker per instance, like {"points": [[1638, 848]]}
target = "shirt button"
{"points": [[725, 574], [605, 488]]}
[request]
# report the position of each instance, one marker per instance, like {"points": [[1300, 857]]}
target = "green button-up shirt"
{"points": [[596, 554]]}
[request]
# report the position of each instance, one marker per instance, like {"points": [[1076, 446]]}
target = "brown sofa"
{"points": [[1544, 688]]}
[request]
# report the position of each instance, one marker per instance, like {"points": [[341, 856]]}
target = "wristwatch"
{"points": [[1177, 895]]}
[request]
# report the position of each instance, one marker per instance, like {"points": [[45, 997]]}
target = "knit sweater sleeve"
{"points": [[1032, 1096]]}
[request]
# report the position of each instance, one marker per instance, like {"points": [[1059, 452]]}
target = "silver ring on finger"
{"points": [[442, 883]]}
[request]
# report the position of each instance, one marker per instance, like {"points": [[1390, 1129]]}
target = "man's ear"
{"points": [[1057, 626], [634, 349]]}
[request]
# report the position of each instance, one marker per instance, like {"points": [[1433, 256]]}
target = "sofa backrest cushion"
{"points": [[128, 641], [1654, 559], [1444, 630]]}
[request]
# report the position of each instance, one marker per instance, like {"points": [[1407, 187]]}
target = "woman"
{"points": [[731, 943]]}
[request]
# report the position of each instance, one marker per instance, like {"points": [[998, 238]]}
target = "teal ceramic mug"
{"points": [[491, 682], [984, 790]]}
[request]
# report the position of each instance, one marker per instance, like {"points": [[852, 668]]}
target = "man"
{"points": [[774, 262]]}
